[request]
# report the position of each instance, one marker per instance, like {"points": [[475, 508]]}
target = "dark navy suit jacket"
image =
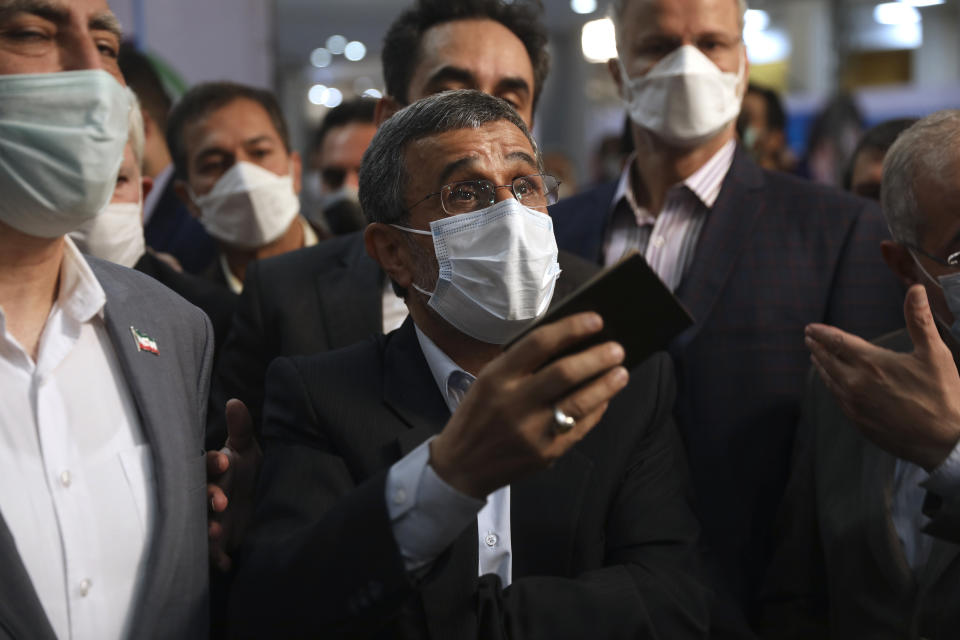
{"points": [[171, 229], [775, 253]]}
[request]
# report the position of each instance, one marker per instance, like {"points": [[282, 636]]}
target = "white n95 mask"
{"points": [[116, 234], [249, 206], [61, 144], [685, 99], [498, 269]]}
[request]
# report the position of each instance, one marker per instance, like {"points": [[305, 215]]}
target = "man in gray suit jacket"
{"points": [[103, 371], [869, 537]]}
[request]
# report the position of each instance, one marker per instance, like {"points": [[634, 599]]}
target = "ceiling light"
{"points": [[756, 20], [354, 51], [583, 6], [598, 40], [320, 58], [333, 98], [336, 44], [318, 93], [895, 14]]}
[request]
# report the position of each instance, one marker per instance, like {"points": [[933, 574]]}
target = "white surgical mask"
{"points": [[249, 206], [498, 269], [61, 144], [116, 234], [950, 284], [685, 99]]}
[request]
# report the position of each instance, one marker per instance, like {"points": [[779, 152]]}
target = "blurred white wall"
{"points": [[205, 39]]}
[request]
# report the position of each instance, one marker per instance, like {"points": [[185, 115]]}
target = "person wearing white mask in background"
{"points": [[236, 172], [103, 371], [754, 255], [117, 235], [429, 482], [894, 459]]}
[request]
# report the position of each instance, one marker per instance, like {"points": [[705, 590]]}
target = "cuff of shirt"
{"points": [[426, 513], [945, 479]]}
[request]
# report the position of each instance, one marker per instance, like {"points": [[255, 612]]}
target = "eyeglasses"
{"points": [[534, 191], [952, 261]]}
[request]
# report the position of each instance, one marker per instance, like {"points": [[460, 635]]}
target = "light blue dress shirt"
{"points": [[426, 513]]}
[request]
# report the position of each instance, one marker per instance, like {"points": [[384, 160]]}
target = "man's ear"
{"points": [[900, 261], [180, 188], [384, 245], [386, 107], [613, 67], [296, 170]]}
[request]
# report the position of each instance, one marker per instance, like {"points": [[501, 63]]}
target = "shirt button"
{"points": [[658, 241], [85, 585], [65, 478], [400, 496], [490, 539]]}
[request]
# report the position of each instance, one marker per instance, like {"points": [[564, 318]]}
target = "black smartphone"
{"points": [[638, 310]]}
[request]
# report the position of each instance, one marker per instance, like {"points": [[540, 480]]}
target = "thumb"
{"points": [[239, 425], [920, 324]]}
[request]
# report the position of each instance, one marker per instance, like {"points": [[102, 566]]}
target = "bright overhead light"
{"points": [[583, 6], [372, 93], [923, 3], [763, 47], [318, 94], [896, 13], [333, 98], [598, 40], [354, 51], [336, 44], [320, 58], [756, 20]]}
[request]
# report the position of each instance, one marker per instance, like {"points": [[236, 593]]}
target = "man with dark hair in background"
{"points": [[167, 224], [864, 173], [762, 128], [236, 172], [334, 295], [330, 183]]}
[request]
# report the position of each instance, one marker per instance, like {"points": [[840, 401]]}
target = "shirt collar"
{"points": [[441, 366], [233, 282], [81, 297], [705, 182]]}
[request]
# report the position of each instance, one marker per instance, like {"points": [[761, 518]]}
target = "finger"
{"points": [[216, 498], [584, 425], [586, 400], [564, 375], [239, 425], [919, 319], [217, 463], [531, 351], [843, 346], [214, 531], [827, 360]]}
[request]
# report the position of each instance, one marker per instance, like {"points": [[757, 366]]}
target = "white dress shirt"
{"points": [[667, 240], [235, 284], [394, 308], [427, 514], [910, 486], [76, 474]]}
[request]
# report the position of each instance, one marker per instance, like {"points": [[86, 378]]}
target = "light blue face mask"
{"points": [[950, 285], [61, 144]]}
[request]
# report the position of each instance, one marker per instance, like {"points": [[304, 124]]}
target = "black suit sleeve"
{"points": [[243, 361], [794, 597], [321, 559], [944, 514]]}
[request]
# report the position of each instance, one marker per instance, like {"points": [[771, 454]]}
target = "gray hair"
{"points": [[930, 148], [617, 8], [383, 175], [135, 132]]}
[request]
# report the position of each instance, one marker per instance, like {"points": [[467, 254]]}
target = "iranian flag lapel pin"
{"points": [[144, 342]]}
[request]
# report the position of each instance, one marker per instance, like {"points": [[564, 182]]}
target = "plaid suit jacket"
{"points": [[775, 253]]}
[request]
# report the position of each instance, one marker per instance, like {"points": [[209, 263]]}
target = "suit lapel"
{"points": [[876, 487], [21, 614], [142, 372], [725, 234], [349, 297], [549, 500]]}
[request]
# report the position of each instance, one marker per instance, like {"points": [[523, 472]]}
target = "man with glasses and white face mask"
{"points": [[895, 460], [103, 371], [117, 235], [428, 482], [754, 255]]}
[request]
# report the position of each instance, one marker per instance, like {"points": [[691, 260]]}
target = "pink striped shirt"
{"points": [[667, 241]]}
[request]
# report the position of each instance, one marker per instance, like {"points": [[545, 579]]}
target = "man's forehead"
{"points": [[474, 44], [654, 16], [474, 146], [97, 12]]}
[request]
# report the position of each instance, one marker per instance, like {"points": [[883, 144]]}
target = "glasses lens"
{"points": [[537, 190], [464, 197]]}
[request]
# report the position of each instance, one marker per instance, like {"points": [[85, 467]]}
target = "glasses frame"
{"points": [[495, 187], [952, 261]]}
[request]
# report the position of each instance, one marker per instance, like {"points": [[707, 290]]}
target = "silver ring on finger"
{"points": [[562, 423]]}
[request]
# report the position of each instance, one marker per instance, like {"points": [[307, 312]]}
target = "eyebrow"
{"points": [[451, 73], [469, 161], [59, 15]]}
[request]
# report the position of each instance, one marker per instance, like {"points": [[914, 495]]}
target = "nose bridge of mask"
{"points": [[242, 177]]}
